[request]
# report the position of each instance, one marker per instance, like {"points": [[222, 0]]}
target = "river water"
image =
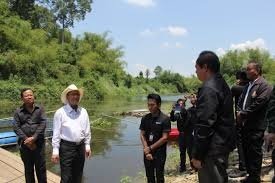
{"points": [[117, 151]]}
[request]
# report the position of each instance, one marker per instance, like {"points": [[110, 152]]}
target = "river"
{"points": [[117, 151]]}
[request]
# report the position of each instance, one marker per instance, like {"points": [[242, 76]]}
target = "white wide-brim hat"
{"points": [[70, 88]]}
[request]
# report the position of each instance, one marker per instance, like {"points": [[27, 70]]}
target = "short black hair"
{"points": [[180, 99], [155, 97], [241, 75], [23, 90], [257, 66], [210, 59]]}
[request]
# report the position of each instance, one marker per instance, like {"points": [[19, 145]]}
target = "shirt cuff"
{"points": [[55, 151], [87, 147]]}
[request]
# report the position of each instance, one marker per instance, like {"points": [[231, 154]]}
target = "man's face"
{"points": [[193, 100], [201, 72], [181, 103], [153, 106], [251, 72], [28, 97], [73, 98]]}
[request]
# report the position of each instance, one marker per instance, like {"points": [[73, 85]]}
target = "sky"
{"points": [[171, 34]]}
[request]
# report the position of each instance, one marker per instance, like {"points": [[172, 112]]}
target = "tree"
{"points": [[23, 8], [141, 74], [158, 71], [147, 74], [69, 11]]}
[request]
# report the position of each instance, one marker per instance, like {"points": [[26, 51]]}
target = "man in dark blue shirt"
{"points": [[29, 125], [154, 131]]}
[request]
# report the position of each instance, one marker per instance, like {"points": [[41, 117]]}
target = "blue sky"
{"points": [[171, 34]]}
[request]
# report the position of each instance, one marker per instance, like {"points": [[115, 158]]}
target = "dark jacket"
{"points": [[256, 104], [191, 118], [270, 113], [28, 124], [181, 119], [237, 91], [214, 129]]}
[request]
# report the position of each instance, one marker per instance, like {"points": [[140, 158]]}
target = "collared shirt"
{"points": [[247, 92], [29, 124], [70, 125], [155, 126]]}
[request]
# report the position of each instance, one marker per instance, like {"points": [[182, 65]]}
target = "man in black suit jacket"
{"points": [[252, 107]]}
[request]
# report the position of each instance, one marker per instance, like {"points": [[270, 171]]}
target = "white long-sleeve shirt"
{"points": [[71, 125]]}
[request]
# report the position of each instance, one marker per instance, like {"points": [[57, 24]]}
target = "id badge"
{"points": [[151, 137]]}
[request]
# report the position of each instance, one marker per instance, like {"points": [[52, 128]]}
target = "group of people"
{"points": [[208, 130], [211, 128], [70, 141]]}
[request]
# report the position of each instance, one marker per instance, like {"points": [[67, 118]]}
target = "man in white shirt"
{"points": [[71, 136]]}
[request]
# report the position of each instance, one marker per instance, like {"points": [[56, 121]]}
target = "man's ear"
{"points": [[204, 66]]}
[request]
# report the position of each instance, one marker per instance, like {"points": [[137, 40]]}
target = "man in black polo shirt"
{"points": [[154, 131], [29, 125]]}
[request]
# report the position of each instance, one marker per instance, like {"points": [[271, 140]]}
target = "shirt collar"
{"points": [[69, 109], [22, 107]]}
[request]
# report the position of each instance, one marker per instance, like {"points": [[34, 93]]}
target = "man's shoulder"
{"points": [[163, 116]]}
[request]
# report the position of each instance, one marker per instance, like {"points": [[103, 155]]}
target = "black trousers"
{"points": [[214, 169], [240, 147], [273, 163], [34, 158], [72, 158], [155, 168], [252, 145], [185, 143]]}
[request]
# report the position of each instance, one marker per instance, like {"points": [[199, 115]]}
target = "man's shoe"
{"points": [[236, 173], [250, 180]]}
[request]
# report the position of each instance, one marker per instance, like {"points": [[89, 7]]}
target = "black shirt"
{"points": [[28, 124], [181, 119], [155, 126]]}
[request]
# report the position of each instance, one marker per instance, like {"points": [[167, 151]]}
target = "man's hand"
{"points": [[147, 150], [149, 157], [196, 163], [270, 138], [29, 140], [239, 118], [88, 153], [55, 158]]}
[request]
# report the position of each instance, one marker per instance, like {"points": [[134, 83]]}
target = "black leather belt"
{"points": [[72, 143]]}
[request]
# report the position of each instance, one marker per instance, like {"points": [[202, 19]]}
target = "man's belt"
{"points": [[72, 143]]}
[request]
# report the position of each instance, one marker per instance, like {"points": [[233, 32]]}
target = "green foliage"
{"points": [[236, 60], [125, 179]]}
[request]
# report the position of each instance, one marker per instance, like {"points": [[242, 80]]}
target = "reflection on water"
{"points": [[117, 150]]}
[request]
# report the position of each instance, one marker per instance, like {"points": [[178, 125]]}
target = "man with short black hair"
{"points": [[29, 125], [154, 131], [237, 89], [252, 107], [214, 126]]}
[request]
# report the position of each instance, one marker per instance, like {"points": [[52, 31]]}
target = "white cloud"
{"points": [[142, 3], [220, 51], [141, 67], [258, 43], [178, 45], [175, 30], [165, 45], [170, 45], [146, 32]]}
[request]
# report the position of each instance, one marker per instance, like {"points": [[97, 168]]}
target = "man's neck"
{"points": [[74, 107], [29, 107], [155, 114]]}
